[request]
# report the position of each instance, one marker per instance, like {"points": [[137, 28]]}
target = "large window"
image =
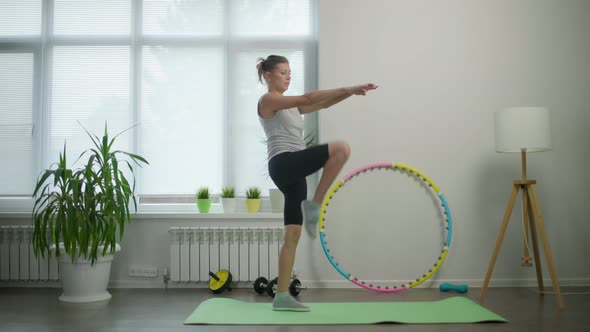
{"points": [[184, 70]]}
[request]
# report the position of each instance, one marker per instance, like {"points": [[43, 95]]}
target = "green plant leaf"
{"points": [[228, 192], [84, 207], [41, 180], [253, 193], [95, 139], [203, 193], [134, 157]]}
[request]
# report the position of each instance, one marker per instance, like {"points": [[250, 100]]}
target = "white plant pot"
{"points": [[82, 282], [277, 200], [229, 205]]}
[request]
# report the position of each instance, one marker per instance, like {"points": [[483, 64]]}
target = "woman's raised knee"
{"points": [[346, 150], [339, 148]]}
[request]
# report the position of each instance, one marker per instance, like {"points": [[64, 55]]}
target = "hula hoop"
{"points": [[447, 221]]}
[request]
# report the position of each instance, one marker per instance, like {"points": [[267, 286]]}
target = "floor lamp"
{"points": [[525, 129]]}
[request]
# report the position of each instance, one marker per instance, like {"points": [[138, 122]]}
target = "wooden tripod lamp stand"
{"points": [[525, 129]]}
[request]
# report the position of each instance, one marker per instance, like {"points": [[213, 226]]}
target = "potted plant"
{"points": [[79, 212], [253, 199], [277, 200], [276, 197], [203, 200], [310, 140], [228, 199]]}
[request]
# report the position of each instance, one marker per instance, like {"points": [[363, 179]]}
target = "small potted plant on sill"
{"points": [[253, 199], [277, 200], [228, 199], [78, 214], [203, 200], [276, 197]]}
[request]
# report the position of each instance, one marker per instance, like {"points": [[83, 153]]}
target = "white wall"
{"points": [[443, 68]]}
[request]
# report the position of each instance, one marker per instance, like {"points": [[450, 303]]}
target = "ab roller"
{"points": [[220, 281]]}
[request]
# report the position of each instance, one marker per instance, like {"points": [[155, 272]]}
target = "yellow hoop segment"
{"points": [[420, 174]]}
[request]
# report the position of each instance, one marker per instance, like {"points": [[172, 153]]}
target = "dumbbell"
{"points": [[446, 287], [262, 285], [295, 288]]}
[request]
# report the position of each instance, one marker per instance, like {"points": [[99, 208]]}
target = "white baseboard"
{"points": [[159, 283], [471, 282], [30, 284], [346, 284]]}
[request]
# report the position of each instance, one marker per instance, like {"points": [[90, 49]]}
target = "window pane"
{"points": [[263, 18], [182, 116], [20, 17], [105, 17], [90, 85], [17, 171], [247, 148], [189, 17]]}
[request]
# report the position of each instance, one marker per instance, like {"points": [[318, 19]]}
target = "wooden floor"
{"points": [[131, 310]]}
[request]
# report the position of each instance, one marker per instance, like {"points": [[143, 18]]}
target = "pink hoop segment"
{"points": [[378, 289], [366, 168]]}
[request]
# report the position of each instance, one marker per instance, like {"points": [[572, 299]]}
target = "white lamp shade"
{"points": [[522, 128]]}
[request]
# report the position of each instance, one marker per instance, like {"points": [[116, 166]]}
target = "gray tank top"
{"points": [[284, 132]]}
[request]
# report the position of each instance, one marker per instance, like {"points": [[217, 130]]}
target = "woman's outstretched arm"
{"points": [[272, 102], [354, 90]]}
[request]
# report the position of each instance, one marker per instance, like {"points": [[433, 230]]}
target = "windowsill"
{"points": [[22, 210], [197, 215], [15, 215], [272, 216]]}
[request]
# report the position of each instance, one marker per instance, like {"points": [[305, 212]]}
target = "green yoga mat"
{"points": [[233, 312]]}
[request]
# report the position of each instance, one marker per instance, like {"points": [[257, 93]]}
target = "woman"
{"points": [[290, 162]]}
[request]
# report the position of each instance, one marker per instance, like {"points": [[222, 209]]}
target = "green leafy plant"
{"points": [[310, 140], [84, 207], [253, 193], [203, 193], [228, 192]]}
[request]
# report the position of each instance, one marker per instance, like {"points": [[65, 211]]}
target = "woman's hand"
{"points": [[361, 90]]}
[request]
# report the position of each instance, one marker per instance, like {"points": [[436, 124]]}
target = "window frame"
{"points": [[43, 45]]}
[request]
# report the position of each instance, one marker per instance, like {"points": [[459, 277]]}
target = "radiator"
{"points": [[17, 258], [247, 252]]}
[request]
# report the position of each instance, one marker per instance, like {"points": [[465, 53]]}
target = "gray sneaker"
{"points": [[311, 216], [285, 302]]}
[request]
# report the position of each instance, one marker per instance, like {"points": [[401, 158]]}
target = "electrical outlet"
{"points": [[143, 271]]}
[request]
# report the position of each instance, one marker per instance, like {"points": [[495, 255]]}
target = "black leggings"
{"points": [[288, 171]]}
